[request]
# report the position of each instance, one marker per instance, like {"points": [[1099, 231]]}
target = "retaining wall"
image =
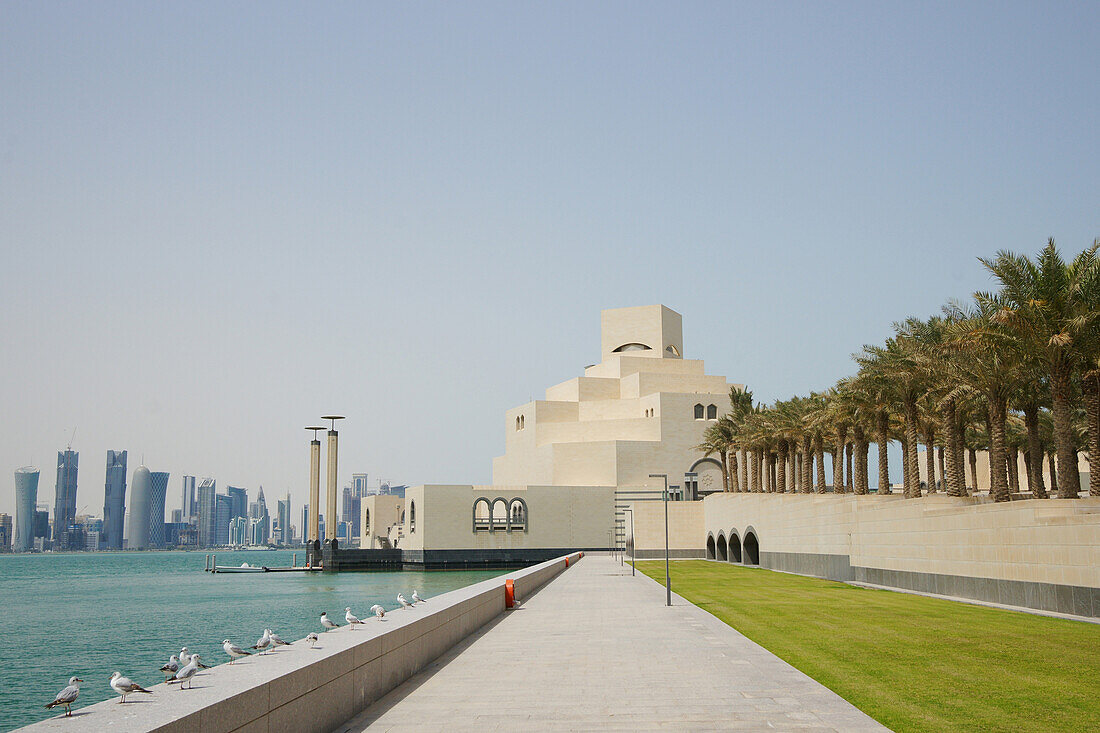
{"points": [[301, 689]]}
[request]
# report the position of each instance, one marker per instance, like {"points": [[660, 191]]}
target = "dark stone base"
{"points": [[833, 567], [336, 559]]}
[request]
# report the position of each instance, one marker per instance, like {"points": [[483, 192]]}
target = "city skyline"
{"points": [[425, 230]]}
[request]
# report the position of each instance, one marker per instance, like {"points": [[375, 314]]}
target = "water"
{"points": [[89, 614]]}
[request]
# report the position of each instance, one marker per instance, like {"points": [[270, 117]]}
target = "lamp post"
{"points": [[689, 480], [634, 545], [668, 581]]}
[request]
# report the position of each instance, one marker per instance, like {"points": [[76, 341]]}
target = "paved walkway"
{"points": [[596, 649]]}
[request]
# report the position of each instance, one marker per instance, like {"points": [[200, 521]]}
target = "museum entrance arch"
{"points": [[751, 548]]}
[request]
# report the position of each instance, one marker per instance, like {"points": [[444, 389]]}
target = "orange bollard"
{"points": [[509, 593], [566, 562]]}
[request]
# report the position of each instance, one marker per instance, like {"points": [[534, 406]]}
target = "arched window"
{"points": [[672, 350], [522, 422], [712, 412], [366, 521], [699, 411], [517, 514], [710, 547], [633, 347], [517, 422], [499, 515], [482, 514], [412, 517]]}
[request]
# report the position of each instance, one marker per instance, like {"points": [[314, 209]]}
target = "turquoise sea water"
{"points": [[89, 614]]}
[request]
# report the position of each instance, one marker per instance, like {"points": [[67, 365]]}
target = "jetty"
{"points": [[213, 567]]}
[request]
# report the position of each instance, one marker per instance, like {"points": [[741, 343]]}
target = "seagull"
{"points": [[417, 598], [378, 610], [186, 673], [185, 659], [67, 696], [403, 601], [351, 618], [275, 640], [171, 668], [311, 638], [234, 651], [124, 686], [327, 622], [264, 642]]}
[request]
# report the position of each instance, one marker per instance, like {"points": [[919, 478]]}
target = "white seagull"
{"points": [[403, 601], [185, 659], [276, 641], [171, 668], [311, 638], [378, 610], [186, 673], [327, 622], [264, 642], [350, 617], [124, 686], [417, 598], [234, 651], [67, 696]]}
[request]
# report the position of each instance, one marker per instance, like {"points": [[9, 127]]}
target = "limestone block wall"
{"points": [[685, 528], [1038, 554], [305, 690]]}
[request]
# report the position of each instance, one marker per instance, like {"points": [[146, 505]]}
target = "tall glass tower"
{"points": [[207, 511], [114, 500], [26, 498], [64, 507], [140, 487], [158, 489], [240, 501]]}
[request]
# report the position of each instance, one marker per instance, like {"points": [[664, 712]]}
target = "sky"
{"points": [[220, 221]]}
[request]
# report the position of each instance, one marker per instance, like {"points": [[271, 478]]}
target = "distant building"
{"points": [[259, 530], [177, 516], [74, 537], [5, 532], [305, 521], [206, 512], [238, 531], [42, 523], [179, 534], [359, 484], [240, 500], [26, 500], [64, 508], [258, 510], [114, 500], [189, 505], [223, 508], [349, 510], [140, 489], [158, 490], [284, 521]]}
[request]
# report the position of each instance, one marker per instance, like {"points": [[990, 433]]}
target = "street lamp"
{"points": [[668, 581], [634, 542]]}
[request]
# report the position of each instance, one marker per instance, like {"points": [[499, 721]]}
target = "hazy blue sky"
{"points": [[221, 220]]}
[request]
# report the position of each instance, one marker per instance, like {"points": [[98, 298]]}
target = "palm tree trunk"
{"points": [[930, 457], [755, 485], [745, 485], [781, 467], [998, 484], [1014, 469], [960, 453], [906, 469], [973, 470], [1090, 387], [912, 420], [807, 465], [1034, 452], [882, 428], [849, 479], [940, 460], [774, 465], [1028, 473], [792, 469], [1053, 474], [955, 480], [725, 471], [866, 466], [838, 459], [735, 473], [1066, 446], [819, 460], [859, 486]]}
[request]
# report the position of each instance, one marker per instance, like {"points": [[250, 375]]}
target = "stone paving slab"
{"points": [[597, 649]]}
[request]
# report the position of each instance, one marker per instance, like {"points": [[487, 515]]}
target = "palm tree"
{"points": [[717, 439], [1051, 307]]}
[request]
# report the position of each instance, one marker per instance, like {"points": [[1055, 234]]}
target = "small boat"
{"points": [[242, 568]]}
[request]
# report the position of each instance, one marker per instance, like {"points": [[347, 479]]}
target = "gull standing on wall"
{"points": [[403, 601], [186, 673], [264, 642], [67, 696], [311, 637], [124, 686], [186, 657], [350, 617], [275, 640], [417, 598], [171, 668], [378, 610], [234, 651], [328, 623]]}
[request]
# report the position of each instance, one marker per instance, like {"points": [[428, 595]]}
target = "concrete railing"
{"points": [[301, 689]]}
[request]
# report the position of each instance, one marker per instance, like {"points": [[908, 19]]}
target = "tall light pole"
{"points": [[634, 544], [314, 485], [330, 510], [668, 581]]}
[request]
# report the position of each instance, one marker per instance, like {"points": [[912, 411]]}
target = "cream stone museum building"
{"points": [[574, 460]]}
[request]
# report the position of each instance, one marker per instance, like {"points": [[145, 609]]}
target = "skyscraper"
{"points": [[5, 532], [114, 500], [305, 523], [189, 504], [140, 488], [240, 501], [64, 507], [206, 511], [359, 484], [223, 506], [258, 510], [26, 500], [157, 494], [284, 520], [238, 531], [349, 510]]}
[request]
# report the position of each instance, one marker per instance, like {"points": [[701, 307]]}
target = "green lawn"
{"points": [[912, 663]]}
